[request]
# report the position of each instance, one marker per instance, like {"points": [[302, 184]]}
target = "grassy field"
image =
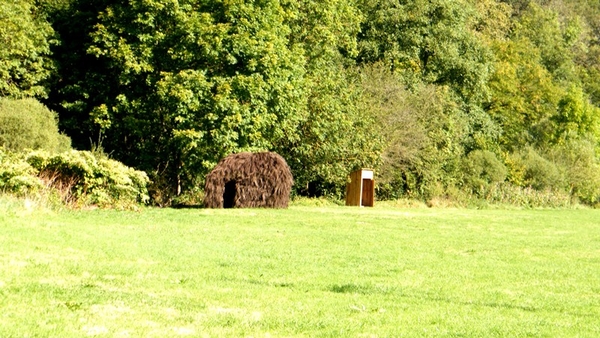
{"points": [[301, 272]]}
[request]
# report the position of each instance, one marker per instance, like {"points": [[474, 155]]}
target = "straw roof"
{"points": [[249, 180]]}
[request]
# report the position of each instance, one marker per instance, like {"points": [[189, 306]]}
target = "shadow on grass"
{"points": [[368, 290], [187, 206], [358, 289]]}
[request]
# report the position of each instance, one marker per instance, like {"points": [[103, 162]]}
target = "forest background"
{"points": [[446, 100]]}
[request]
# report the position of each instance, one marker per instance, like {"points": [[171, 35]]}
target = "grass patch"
{"points": [[306, 271]]}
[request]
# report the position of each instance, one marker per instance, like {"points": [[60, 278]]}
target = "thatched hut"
{"points": [[249, 180]]}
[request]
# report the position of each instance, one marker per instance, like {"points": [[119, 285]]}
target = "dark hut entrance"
{"points": [[229, 194]]}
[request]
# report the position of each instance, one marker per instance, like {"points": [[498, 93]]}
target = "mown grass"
{"points": [[303, 272]]}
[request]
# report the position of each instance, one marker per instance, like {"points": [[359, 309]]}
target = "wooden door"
{"points": [[368, 190]]}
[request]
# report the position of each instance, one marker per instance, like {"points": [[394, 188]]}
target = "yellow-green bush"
{"points": [[26, 124], [539, 172], [581, 167], [78, 178], [569, 168], [91, 179], [17, 176]]}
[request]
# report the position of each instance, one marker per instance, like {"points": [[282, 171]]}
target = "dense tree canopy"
{"points": [[25, 39], [438, 96], [177, 85]]}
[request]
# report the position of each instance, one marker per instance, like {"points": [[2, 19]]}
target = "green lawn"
{"points": [[301, 272]]}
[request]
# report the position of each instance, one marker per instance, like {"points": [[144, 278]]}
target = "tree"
{"points": [[337, 135], [552, 38], [538, 97], [436, 50], [429, 41], [171, 87], [577, 117], [25, 40], [438, 43], [524, 97], [423, 134]]}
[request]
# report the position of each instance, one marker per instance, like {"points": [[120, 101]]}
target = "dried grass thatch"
{"points": [[249, 180]]}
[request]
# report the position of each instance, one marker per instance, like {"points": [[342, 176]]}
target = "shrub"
{"points": [[17, 176], [538, 172], [570, 168], [28, 124], [87, 179], [481, 169], [578, 160], [77, 178], [188, 198]]}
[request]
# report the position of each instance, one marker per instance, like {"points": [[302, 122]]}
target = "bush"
{"points": [[481, 169], [537, 171], [17, 177], [87, 179], [28, 124], [578, 160], [76, 178]]}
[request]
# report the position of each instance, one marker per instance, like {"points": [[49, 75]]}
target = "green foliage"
{"points": [[570, 168], [551, 38], [589, 71], [336, 138], [25, 40], [405, 87], [536, 171], [88, 179], [76, 178], [422, 130], [324, 30], [580, 163], [434, 49], [576, 116], [481, 170], [26, 124], [336, 134], [537, 97], [431, 41], [525, 95], [492, 20], [17, 177], [185, 83]]}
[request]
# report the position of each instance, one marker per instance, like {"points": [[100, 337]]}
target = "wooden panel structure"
{"points": [[368, 190], [361, 189]]}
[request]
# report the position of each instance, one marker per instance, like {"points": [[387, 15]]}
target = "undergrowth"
{"points": [[76, 179]]}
